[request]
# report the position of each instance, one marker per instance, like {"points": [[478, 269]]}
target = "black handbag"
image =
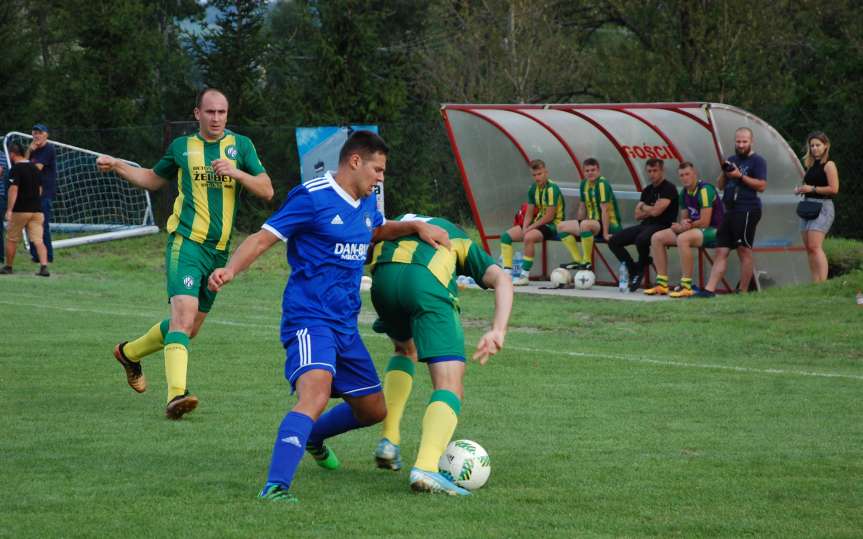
{"points": [[809, 209]]}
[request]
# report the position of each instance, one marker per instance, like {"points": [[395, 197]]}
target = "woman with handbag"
{"points": [[816, 211]]}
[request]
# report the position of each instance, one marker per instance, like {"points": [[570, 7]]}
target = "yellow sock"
{"points": [[146, 344], [571, 245], [398, 381], [439, 424], [506, 253], [176, 362], [587, 246]]}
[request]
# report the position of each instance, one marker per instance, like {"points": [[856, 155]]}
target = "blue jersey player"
{"points": [[328, 224]]}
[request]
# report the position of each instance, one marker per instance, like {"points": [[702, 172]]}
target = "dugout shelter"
{"points": [[493, 144]]}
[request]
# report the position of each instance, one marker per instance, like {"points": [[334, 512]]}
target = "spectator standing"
{"points": [[820, 184], [24, 210], [41, 153], [743, 176]]}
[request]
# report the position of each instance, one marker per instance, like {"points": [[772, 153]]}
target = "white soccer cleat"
{"points": [[520, 280], [423, 481], [388, 455]]}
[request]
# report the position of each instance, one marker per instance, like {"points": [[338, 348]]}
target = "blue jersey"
{"points": [[739, 197], [328, 235]]}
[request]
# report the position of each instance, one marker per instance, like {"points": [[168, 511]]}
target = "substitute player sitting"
{"points": [[597, 213], [415, 294], [210, 166], [700, 215], [328, 223], [546, 205]]}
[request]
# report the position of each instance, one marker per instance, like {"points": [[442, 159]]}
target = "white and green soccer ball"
{"points": [[466, 463]]}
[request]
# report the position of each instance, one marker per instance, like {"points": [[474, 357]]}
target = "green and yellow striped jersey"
{"points": [[547, 196], [596, 193], [206, 203], [463, 257]]}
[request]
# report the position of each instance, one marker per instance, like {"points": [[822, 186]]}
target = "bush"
{"points": [[843, 255]]}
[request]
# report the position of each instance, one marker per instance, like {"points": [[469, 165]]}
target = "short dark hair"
{"points": [[364, 143], [685, 164], [16, 148], [536, 164], [204, 91], [655, 162], [591, 162]]}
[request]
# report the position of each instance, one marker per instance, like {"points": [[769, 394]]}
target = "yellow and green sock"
{"points": [[686, 282], [398, 381], [527, 263], [506, 250], [439, 423], [571, 245], [587, 246], [176, 362], [662, 280], [146, 344]]}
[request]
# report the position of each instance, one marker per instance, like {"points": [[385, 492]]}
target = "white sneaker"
{"points": [[521, 279]]}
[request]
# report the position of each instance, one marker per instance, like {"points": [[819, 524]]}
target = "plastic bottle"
{"points": [[860, 298], [516, 263], [623, 273]]}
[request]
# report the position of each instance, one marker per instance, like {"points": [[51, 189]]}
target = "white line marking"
{"points": [[585, 355]]}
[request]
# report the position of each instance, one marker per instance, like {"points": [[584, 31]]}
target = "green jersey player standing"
{"points": [[209, 167]]}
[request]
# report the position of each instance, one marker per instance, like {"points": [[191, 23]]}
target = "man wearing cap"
{"points": [[42, 154]]}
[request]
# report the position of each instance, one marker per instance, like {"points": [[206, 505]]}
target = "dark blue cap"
{"points": [[40, 127]]}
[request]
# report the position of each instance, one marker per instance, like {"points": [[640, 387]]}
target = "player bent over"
{"points": [[328, 223], [700, 215], [415, 294], [210, 166]]}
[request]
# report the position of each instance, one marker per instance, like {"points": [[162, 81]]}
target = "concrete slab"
{"points": [[596, 292]]}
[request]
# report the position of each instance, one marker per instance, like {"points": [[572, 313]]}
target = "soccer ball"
{"points": [[466, 463], [366, 283], [584, 279], [560, 277]]}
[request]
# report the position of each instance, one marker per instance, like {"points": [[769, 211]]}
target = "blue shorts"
{"points": [[344, 355]]}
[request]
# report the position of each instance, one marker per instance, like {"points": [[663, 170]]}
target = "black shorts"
{"points": [[549, 232], [738, 229]]}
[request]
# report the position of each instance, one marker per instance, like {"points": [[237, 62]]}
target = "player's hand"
{"points": [[219, 278], [105, 163], [433, 235], [224, 167], [488, 345], [736, 174], [8, 215], [606, 237]]}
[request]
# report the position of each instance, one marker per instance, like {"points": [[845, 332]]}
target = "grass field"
{"points": [[739, 416]]}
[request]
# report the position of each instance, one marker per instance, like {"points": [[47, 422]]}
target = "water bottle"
{"points": [[860, 298], [623, 273], [516, 263]]}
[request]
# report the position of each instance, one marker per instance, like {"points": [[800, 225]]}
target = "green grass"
{"points": [[739, 416]]}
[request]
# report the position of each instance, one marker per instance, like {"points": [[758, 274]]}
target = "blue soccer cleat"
{"points": [[388, 455], [423, 481]]}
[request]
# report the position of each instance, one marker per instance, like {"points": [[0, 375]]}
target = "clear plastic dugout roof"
{"points": [[493, 144]]}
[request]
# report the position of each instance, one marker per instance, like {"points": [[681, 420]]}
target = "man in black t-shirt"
{"points": [[24, 209], [656, 210]]}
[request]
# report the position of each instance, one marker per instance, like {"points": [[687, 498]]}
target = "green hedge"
{"points": [[843, 255]]}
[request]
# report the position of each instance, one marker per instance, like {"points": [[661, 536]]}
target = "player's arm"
{"points": [[248, 251], [431, 234], [581, 213], [721, 180], [528, 217], [139, 177], [704, 220], [753, 183], [546, 218], [657, 209], [259, 185], [603, 208], [492, 342]]}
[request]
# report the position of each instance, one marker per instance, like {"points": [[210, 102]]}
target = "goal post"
{"points": [[91, 205]]}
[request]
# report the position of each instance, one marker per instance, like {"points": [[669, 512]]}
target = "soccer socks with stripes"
{"points": [[398, 381], [686, 282], [335, 421], [527, 263], [571, 245], [176, 362], [439, 423], [506, 249], [289, 447], [146, 344], [587, 246], [662, 280]]}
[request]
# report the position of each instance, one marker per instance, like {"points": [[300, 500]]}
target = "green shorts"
{"points": [[412, 304], [709, 237], [188, 265]]}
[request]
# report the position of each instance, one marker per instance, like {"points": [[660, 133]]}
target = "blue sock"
{"points": [[338, 419], [289, 448]]}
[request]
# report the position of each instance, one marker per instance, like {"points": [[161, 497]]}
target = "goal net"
{"points": [[89, 205]]}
